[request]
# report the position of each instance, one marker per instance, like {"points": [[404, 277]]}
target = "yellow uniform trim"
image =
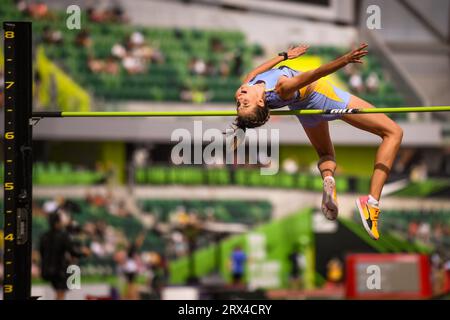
{"points": [[325, 88]]}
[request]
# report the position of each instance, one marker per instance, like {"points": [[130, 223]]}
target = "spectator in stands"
{"points": [[131, 267], [258, 50], [438, 233], [237, 262], [83, 39], [447, 274], [96, 15], [113, 238], [143, 52], [118, 14], [297, 264], [197, 66], [356, 82], [58, 251], [98, 244], [373, 82], [178, 33], [140, 157], [446, 230], [412, 230], [404, 159], [97, 248], [108, 66], [194, 95], [100, 227], [419, 172], [224, 68], [350, 69], [96, 199], [37, 10], [89, 229], [179, 244], [159, 273], [95, 65], [118, 51], [238, 63], [111, 66], [438, 273], [136, 39], [290, 166], [424, 232], [135, 55], [186, 95], [133, 65], [157, 56], [35, 264], [114, 13], [53, 205], [22, 6], [117, 208], [51, 36], [335, 272], [216, 45], [106, 171]]}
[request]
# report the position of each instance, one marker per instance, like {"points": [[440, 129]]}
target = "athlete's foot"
{"points": [[329, 199], [369, 216]]}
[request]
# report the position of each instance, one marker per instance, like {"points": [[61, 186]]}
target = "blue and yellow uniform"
{"points": [[318, 95]]}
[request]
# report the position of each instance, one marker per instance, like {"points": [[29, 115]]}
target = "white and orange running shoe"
{"points": [[329, 199], [369, 216]]}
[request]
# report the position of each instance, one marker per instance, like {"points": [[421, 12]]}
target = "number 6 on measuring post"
{"points": [[9, 135]]}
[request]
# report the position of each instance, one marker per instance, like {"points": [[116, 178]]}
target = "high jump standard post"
{"points": [[18, 161]]}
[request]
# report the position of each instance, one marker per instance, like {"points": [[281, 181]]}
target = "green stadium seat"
{"points": [[156, 175], [286, 180], [317, 183], [342, 184], [218, 177]]}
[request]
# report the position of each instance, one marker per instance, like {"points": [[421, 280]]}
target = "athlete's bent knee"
{"points": [[393, 132], [397, 133]]}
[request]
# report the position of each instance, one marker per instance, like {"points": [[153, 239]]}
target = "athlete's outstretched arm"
{"points": [[292, 53], [287, 86]]}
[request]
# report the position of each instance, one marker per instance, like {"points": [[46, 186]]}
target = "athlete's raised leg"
{"points": [[391, 134]]}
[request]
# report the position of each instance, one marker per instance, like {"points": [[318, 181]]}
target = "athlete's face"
{"points": [[248, 98]]}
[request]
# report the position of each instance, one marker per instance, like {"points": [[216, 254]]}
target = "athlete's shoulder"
{"points": [[264, 76]]}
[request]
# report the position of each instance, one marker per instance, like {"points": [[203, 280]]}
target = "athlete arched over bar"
{"points": [[265, 88]]}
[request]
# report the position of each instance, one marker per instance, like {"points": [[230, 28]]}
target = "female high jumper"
{"points": [[265, 88]]}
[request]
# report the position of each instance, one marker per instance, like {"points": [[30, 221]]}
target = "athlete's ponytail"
{"points": [[257, 118]]}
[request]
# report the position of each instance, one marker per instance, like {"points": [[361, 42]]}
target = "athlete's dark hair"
{"points": [[257, 118]]}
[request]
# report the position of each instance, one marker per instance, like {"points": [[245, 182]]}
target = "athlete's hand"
{"points": [[355, 55], [297, 51]]}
